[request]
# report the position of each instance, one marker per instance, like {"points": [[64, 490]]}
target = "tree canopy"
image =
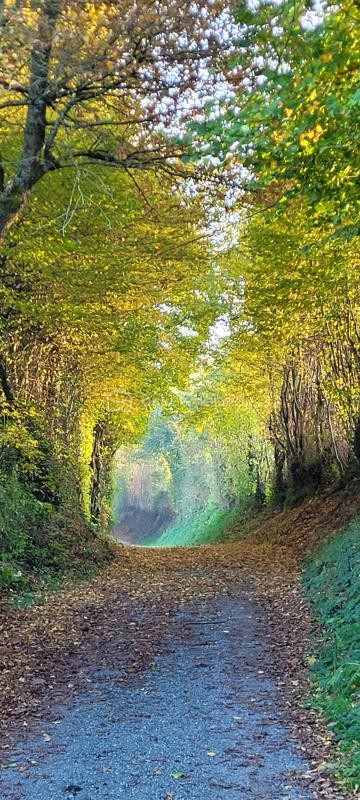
{"points": [[179, 232]]}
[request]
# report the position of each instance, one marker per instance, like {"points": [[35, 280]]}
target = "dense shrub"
{"points": [[22, 518], [38, 541]]}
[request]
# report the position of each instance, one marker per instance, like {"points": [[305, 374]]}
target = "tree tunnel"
{"points": [[179, 487]]}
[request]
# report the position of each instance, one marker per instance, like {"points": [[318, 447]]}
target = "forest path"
{"points": [[169, 677]]}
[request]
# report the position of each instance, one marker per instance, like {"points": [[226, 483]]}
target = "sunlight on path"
{"points": [[204, 723]]}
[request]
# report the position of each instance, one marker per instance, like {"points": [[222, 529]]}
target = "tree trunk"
{"points": [[32, 165], [279, 482], [97, 468], [356, 440], [5, 383]]}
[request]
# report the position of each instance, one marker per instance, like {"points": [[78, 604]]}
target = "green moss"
{"points": [[332, 581]]}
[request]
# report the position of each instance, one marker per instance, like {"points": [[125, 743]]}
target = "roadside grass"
{"points": [[208, 525], [332, 581]]}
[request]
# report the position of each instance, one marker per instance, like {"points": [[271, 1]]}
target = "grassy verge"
{"points": [[332, 581], [208, 525]]}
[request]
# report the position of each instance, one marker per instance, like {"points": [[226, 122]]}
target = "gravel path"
{"points": [[204, 722]]}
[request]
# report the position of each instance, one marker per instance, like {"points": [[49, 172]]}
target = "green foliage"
{"points": [[294, 125], [200, 461], [26, 450], [39, 543], [206, 526], [116, 300], [11, 578], [105, 310], [20, 516], [291, 134], [332, 581]]}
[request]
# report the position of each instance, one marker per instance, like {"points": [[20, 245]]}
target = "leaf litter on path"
{"points": [[115, 624]]}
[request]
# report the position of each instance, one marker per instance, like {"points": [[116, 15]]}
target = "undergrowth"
{"points": [[40, 545], [208, 525], [332, 581]]}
